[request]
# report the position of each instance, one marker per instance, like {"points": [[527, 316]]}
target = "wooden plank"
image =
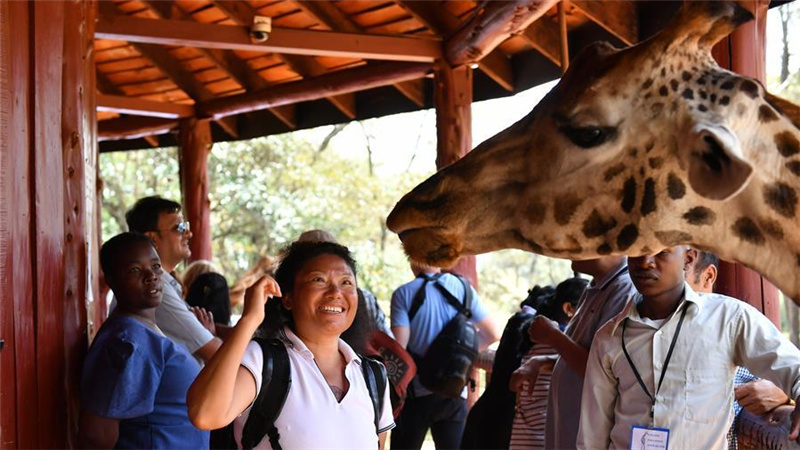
{"points": [[17, 359], [161, 57], [78, 149], [139, 107], [500, 19], [133, 127], [48, 227], [619, 18], [543, 35], [342, 82], [194, 147], [105, 86], [495, 65], [281, 40], [413, 90]]}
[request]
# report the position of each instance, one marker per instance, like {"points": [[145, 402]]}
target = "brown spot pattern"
{"points": [[604, 249], [766, 114], [725, 100], [595, 225], [748, 231], [771, 228], [781, 198], [613, 171], [672, 237], [787, 144], [663, 91], [688, 94], [749, 88], [649, 197], [794, 167], [655, 162], [628, 195], [674, 85], [675, 187], [535, 213], [700, 215], [728, 85], [627, 236], [564, 207], [686, 76]]}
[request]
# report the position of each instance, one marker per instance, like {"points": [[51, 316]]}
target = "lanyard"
{"points": [[666, 362]]}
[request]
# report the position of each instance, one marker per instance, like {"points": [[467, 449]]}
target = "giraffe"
{"points": [[633, 151]]}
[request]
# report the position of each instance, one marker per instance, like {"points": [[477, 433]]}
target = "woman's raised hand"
{"points": [[257, 295]]}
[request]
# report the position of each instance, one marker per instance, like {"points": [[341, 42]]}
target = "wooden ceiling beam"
{"points": [[619, 18], [242, 13], [543, 35], [140, 107], [332, 17], [494, 64], [499, 21], [105, 86], [335, 83], [133, 128], [226, 60], [281, 40]]}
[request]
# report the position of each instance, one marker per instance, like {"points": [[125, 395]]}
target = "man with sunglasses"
{"points": [[161, 220]]}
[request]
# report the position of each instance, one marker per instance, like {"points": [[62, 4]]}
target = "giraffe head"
{"points": [[633, 151]]}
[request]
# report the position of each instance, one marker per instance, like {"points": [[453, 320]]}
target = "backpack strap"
{"points": [[276, 378], [375, 377], [463, 307], [419, 297]]}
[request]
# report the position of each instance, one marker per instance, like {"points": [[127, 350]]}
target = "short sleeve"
{"points": [[386, 422], [121, 380], [253, 361], [179, 323], [399, 315], [479, 311]]}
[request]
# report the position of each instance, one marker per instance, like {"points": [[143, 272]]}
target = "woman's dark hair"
{"points": [[210, 291], [117, 245], [568, 291], [292, 260]]}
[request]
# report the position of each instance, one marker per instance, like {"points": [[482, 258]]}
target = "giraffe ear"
{"points": [[717, 169]]}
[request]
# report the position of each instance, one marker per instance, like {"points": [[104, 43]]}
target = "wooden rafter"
{"points": [[543, 35], [140, 107], [498, 21], [226, 60], [105, 86], [133, 127], [334, 83], [161, 57], [619, 18], [281, 40], [442, 22], [332, 17], [242, 13]]}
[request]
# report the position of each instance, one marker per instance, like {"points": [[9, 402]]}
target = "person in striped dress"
{"points": [[528, 429]]}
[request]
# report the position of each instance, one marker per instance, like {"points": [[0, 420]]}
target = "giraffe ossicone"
{"points": [[634, 150]]}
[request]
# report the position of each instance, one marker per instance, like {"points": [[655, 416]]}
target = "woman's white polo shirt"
{"points": [[311, 417]]}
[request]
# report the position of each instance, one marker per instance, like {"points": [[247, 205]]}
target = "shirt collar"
{"points": [[630, 311], [610, 276], [296, 344]]}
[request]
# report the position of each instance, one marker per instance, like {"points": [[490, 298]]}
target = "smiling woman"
{"points": [[331, 394]]}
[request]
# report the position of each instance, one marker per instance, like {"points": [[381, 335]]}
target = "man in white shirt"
{"points": [[661, 373], [161, 220]]}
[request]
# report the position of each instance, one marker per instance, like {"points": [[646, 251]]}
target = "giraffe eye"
{"points": [[588, 137]]}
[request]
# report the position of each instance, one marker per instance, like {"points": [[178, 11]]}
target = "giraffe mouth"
{"points": [[431, 245]]}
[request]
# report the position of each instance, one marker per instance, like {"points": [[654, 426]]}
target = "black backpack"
{"points": [[445, 368], [276, 380]]}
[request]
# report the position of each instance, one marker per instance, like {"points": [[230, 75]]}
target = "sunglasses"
{"points": [[180, 228]]}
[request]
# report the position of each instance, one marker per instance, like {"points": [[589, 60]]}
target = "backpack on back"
{"points": [[445, 368], [276, 379]]}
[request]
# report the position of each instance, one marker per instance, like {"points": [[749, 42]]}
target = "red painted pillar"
{"points": [[452, 97], [195, 146], [744, 52]]}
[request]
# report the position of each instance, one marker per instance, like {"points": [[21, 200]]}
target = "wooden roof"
{"points": [[324, 62]]}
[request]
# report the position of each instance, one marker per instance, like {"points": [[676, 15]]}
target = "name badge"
{"points": [[649, 438]]}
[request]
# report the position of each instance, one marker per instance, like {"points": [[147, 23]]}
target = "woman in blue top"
{"points": [[134, 383]]}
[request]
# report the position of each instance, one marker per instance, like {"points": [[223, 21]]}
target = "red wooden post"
{"points": [[195, 146], [452, 97], [744, 52]]}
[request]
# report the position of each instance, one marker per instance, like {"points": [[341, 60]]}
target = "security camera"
{"points": [[262, 27]]}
